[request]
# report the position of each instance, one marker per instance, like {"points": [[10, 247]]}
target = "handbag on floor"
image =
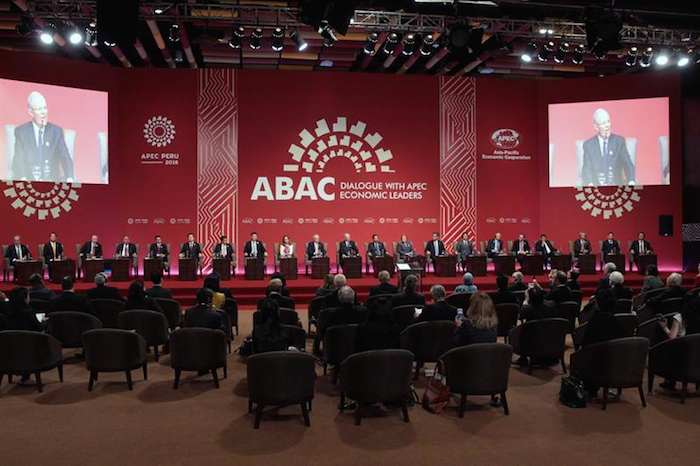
{"points": [[436, 394], [572, 392]]}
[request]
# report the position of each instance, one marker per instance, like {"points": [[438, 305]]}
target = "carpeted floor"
{"points": [[199, 425]]}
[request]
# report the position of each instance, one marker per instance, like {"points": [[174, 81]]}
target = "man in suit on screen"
{"points": [[17, 251], [91, 248], [582, 246], [376, 248], [254, 248], [41, 153], [223, 248], [53, 249], [347, 247], [191, 249], [606, 161], [546, 248], [125, 249], [641, 246], [495, 246], [315, 248], [158, 249], [610, 245], [435, 247]]}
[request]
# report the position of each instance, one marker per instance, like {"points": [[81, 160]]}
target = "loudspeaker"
{"points": [[666, 225], [117, 21]]}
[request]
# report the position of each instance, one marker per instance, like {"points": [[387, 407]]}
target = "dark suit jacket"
{"points": [[504, 296], [282, 301], [310, 249], [48, 252], [193, 251], [430, 248], [437, 311], [573, 285], [229, 250], [621, 292], [52, 162], [11, 252], [516, 246], [579, 249], [43, 294], [348, 314], [131, 247], [376, 249], [614, 168], [383, 288], [610, 248], [602, 327], [349, 249], [405, 299], [85, 249], [67, 301], [154, 250], [635, 247], [490, 247], [104, 292], [248, 249], [539, 247], [159, 292], [202, 316], [559, 294], [464, 248]]}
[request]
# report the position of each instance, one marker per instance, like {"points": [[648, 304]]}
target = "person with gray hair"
{"points": [[332, 300], [619, 290], [518, 282], [102, 290], [606, 161], [439, 309], [384, 286], [674, 289], [605, 280], [40, 151], [468, 285], [347, 311]]}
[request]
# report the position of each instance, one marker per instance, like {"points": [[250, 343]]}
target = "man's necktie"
{"points": [[125, 251], [19, 252], [53, 248], [641, 247], [92, 249]]}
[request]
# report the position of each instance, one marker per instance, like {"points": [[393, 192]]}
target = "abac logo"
{"points": [[505, 138], [315, 149], [44, 204], [159, 131], [608, 203]]}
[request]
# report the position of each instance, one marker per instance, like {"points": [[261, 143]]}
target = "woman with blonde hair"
{"points": [[286, 248], [480, 324]]}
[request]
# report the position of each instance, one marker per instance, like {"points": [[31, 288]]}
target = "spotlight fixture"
{"points": [[662, 58], [683, 59], [300, 43], [560, 55], [91, 34], [46, 35], [631, 58], [328, 34], [278, 39], [428, 45], [110, 43], [237, 37], [549, 46], [544, 52], [256, 38], [409, 44], [75, 36], [546, 31], [370, 43], [645, 62], [158, 11], [174, 33], [577, 55], [599, 52], [391, 41], [530, 52]]}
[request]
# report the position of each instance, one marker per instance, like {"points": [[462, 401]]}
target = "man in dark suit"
{"points": [[384, 286], [435, 247], [495, 246], [159, 249], [582, 245], [40, 152], [604, 282], [315, 248], [546, 248], [224, 249], [619, 290], [68, 300], [376, 248], [464, 248], [347, 311], [610, 246], [274, 292], [503, 294], [202, 314], [17, 251], [411, 294], [439, 309], [191, 249], [38, 290], [102, 290], [606, 161], [347, 247], [157, 290], [559, 292], [641, 246], [125, 248], [521, 246], [254, 248], [91, 248], [332, 300], [53, 249]]}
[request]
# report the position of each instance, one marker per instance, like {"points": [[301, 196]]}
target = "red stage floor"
{"points": [[247, 292]]}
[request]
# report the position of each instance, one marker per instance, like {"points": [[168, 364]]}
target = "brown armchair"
{"points": [[151, 325], [339, 343], [114, 350], [428, 341], [197, 349], [541, 339], [27, 352], [676, 359]]}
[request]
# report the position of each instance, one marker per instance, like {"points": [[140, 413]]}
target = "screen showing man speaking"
{"points": [[52, 133], [609, 143]]}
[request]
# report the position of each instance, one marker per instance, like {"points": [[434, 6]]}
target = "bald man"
{"points": [[606, 161], [41, 153]]}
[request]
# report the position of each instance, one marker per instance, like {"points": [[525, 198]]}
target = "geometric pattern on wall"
{"points": [[457, 157], [217, 157]]}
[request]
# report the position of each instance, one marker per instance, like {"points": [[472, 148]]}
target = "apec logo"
{"points": [[505, 138]]}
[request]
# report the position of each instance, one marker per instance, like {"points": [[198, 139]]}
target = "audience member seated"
{"points": [[674, 289], [384, 286], [618, 289], [605, 281], [215, 282], [327, 287], [410, 295], [518, 282], [559, 292], [572, 281], [18, 313], [480, 324], [38, 290], [218, 299], [274, 292], [202, 314], [439, 309], [268, 334], [691, 314], [467, 285], [379, 331], [347, 312], [651, 279], [68, 300], [534, 306], [138, 299], [503, 294], [283, 279], [339, 281], [157, 290], [102, 290]]}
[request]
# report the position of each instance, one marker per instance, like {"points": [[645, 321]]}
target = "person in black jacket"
{"points": [[332, 300], [347, 312], [384, 286], [38, 290], [68, 300], [439, 309], [284, 291], [19, 315], [618, 289], [274, 292], [604, 282], [138, 299], [503, 294], [379, 331], [480, 324], [157, 290], [559, 292], [518, 282], [102, 290], [410, 293], [572, 282], [534, 306], [268, 333], [202, 314]]}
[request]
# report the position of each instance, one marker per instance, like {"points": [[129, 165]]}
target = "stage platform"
{"points": [[247, 292]]}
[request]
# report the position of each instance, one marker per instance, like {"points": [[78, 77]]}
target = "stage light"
{"points": [[543, 31], [278, 39], [109, 43], [526, 58], [428, 45], [662, 58], [300, 43], [409, 44], [158, 11], [46, 35], [543, 54], [237, 37], [631, 58], [370, 43], [75, 37], [530, 52], [256, 38], [174, 33], [390, 44], [546, 31], [328, 34], [683, 59], [91, 34], [549, 46]]}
